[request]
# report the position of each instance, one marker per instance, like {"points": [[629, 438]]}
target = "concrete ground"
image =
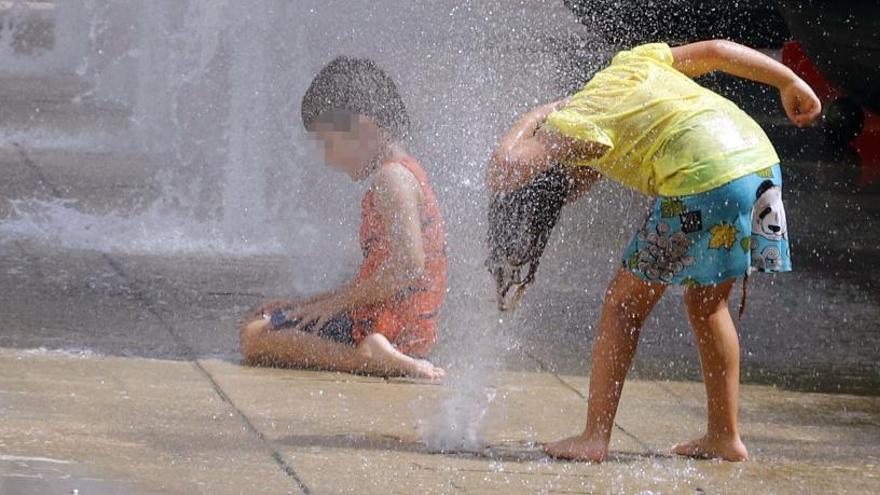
{"points": [[118, 375], [132, 425], [119, 370]]}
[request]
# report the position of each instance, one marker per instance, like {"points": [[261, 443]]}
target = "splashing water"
{"points": [[213, 88], [210, 88], [60, 222], [458, 424]]}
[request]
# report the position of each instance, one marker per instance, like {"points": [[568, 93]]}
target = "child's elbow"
{"points": [[716, 45], [411, 269], [721, 50]]}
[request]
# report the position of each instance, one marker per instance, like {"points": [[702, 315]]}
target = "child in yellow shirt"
{"points": [[718, 214]]}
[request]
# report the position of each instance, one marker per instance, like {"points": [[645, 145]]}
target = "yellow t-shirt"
{"points": [[666, 135]]}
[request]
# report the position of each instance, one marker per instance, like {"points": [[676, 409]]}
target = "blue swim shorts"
{"points": [[707, 238]]}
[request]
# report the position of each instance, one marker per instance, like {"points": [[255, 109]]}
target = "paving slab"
{"points": [[127, 179], [799, 442], [136, 425], [128, 304], [319, 420], [74, 302], [527, 407], [370, 426]]}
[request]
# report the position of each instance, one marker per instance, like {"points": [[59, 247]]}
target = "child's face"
{"points": [[351, 142]]}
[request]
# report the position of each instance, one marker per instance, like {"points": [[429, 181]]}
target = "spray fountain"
{"points": [[195, 102]]}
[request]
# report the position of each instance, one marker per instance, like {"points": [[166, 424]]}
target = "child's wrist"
{"points": [[786, 78]]}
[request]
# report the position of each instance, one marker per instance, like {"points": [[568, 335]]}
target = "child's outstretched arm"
{"points": [[524, 152], [695, 59]]}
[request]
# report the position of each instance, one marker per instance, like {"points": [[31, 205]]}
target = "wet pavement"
{"points": [[120, 374], [119, 367], [134, 425]]}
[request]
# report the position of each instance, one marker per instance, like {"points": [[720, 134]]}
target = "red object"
{"points": [[409, 319], [867, 143]]}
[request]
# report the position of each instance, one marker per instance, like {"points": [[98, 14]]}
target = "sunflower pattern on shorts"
{"points": [[722, 236]]}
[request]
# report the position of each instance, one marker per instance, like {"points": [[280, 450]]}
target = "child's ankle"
{"points": [[596, 437], [723, 435]]}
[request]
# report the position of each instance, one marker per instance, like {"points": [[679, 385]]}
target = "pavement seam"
{"points": [[190, 354], [35, 169], [678, 397], [218, 389], [276, 456], [577, 392]]}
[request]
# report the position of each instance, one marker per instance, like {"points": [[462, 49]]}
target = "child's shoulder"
{"points": [[394, 177], [656, 52]]}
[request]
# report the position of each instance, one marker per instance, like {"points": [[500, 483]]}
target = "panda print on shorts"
{"points": [[769, 244]]}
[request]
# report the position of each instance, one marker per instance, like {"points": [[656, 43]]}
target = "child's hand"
{"points": [[318, 313], [540, 114], [800, 102], [271, 307]]}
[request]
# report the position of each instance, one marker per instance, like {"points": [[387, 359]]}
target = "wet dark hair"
{"points": [[520, 223], [360, 86]]}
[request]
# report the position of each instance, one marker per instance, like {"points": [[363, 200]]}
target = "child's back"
{"points": [[667, 135]]}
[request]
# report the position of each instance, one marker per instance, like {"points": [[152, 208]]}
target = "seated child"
{"points": [[383, 321], [718, 212]]}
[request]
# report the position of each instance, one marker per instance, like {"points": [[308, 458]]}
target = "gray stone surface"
{"points": [[133, 425]]}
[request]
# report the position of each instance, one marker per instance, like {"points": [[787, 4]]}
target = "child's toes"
{"points": [[731, 450], [424, 369], [576, 448], [559, 449], [439, 373], [434, 372], [690, 448]]}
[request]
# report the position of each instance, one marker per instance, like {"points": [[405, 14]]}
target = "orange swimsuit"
{"points": [[409, 319]]}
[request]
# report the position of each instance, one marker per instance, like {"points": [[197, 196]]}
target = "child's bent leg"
{"points": [[628, 302], [261, 345], [384, 359], [719, 356]]}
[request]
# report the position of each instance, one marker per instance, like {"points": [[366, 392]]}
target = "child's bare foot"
{"points": [[714, 448], [383, 358], [578, 448], [422, 368]]}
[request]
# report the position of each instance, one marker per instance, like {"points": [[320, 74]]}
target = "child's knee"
{"points": [[627, 310], [705, 301], [372, 344], [630, 300]]}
